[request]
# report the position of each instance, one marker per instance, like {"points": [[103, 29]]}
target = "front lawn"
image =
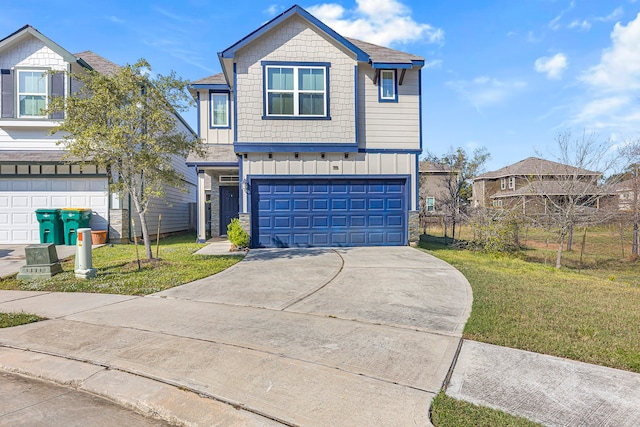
{"points": [[117, 270], [535, 307], [449, 412]]}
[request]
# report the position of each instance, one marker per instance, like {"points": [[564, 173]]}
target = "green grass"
{"points": [[117, 270], [8, 320], [527, 305], [449, 412]]}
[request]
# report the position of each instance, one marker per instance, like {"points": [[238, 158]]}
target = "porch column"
{"points": [[202, 220]]}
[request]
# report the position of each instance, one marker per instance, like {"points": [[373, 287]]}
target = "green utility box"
{"points": [[51, 227], [73, 219]]}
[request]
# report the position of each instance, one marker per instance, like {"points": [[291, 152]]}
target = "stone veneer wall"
{"points": [[215, 205], [119, 226], [414, 226], [245, 222]]}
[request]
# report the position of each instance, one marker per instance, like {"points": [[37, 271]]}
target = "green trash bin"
{"points": [[74, 218], [51, 227]]}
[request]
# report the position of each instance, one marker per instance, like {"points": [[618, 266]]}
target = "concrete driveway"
{"points": [[314, 337]]}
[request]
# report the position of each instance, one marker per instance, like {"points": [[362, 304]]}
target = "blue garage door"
{"points": [[328, 212]]}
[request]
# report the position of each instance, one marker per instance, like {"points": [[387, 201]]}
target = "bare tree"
{"points": [[456, 192], [569, 191]]}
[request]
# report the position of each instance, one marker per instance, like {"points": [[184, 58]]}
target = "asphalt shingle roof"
{"points": [[385, 54], [214, 153], [97, 62], [535, 166], [216, 79]]}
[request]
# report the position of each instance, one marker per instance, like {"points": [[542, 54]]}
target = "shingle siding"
{"points": [[295, 41]]}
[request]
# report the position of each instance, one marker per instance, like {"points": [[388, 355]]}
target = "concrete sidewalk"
{"points": [[247, 342], [546, 389]]}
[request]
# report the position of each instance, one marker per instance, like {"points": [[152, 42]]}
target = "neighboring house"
{"points": [[33, 171], [627, 191], [436, 179], [531, 182], [312, 138]]}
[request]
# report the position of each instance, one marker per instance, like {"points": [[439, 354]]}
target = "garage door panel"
{"points": [[328, 212], [20, 197]]}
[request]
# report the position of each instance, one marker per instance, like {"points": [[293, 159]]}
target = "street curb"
{"points": [[148, 397]]}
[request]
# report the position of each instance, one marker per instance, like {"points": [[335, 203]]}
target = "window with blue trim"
{"points": [[387, 86], [296, 91], [219, 104]]}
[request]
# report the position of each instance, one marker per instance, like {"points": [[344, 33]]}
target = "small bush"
{"points": [[236, 234]]}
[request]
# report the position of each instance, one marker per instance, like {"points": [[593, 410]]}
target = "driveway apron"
{"points": [[354, 336]]}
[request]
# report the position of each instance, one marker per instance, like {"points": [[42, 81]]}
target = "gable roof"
{"points": [[377, 56], [98, 63], [293, 10], [28, 30], [535, 166], [554, 188]]}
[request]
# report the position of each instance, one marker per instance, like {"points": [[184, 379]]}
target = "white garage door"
{"points": [[20, 197]]}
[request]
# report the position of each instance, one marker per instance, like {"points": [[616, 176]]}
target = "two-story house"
{"points": [[312, 138], [530, 183], [34, 172]]}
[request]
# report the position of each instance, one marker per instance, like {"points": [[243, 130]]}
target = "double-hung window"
{"points": [[219, 103], [430, 204], [296, 91], [503, 184], [32, 93], [387, 86], [512, 182]]}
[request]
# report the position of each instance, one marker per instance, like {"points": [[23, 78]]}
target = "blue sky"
{"points": [[507, 75]]}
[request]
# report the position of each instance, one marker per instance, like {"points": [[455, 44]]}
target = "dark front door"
{"points": [[229, 207]]}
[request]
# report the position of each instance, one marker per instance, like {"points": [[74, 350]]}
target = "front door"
{"points": [[229, 206]]}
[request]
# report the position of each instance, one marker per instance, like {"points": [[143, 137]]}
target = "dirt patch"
{"points": [[144, 263]]}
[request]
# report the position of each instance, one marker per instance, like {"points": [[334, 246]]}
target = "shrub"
{"points": [[236, 234]]}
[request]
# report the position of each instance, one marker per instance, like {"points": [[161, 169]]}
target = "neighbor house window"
{"points": [[387, 86], [503, 183], [296, 91], [497, 203], [430, 204], [219, 109], [32, 93], [512, 182]]}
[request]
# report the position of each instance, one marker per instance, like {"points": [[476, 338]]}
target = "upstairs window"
{"points": [[387, 86], [296, 91], [512, 182], [503, 183], [219, 103], [430, 204], [32, 93]]}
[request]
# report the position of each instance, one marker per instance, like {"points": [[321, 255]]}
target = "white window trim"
{"points": [[503, 183], [211, 112], [393, 78], [433, 204], [19, 94], [512, 182], [296, 91]]}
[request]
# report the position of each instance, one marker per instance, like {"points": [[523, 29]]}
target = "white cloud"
{"points": [[552, 66], [602, 107], [383, 22], [583, 25], [613, 16], [619, 67], [484, 91], [554, 24], [274, 9]]}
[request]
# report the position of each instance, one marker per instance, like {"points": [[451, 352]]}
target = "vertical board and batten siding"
{"points": [[389, 125], [308, 165], [295, 40], [211, 135], [174, 209]]}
